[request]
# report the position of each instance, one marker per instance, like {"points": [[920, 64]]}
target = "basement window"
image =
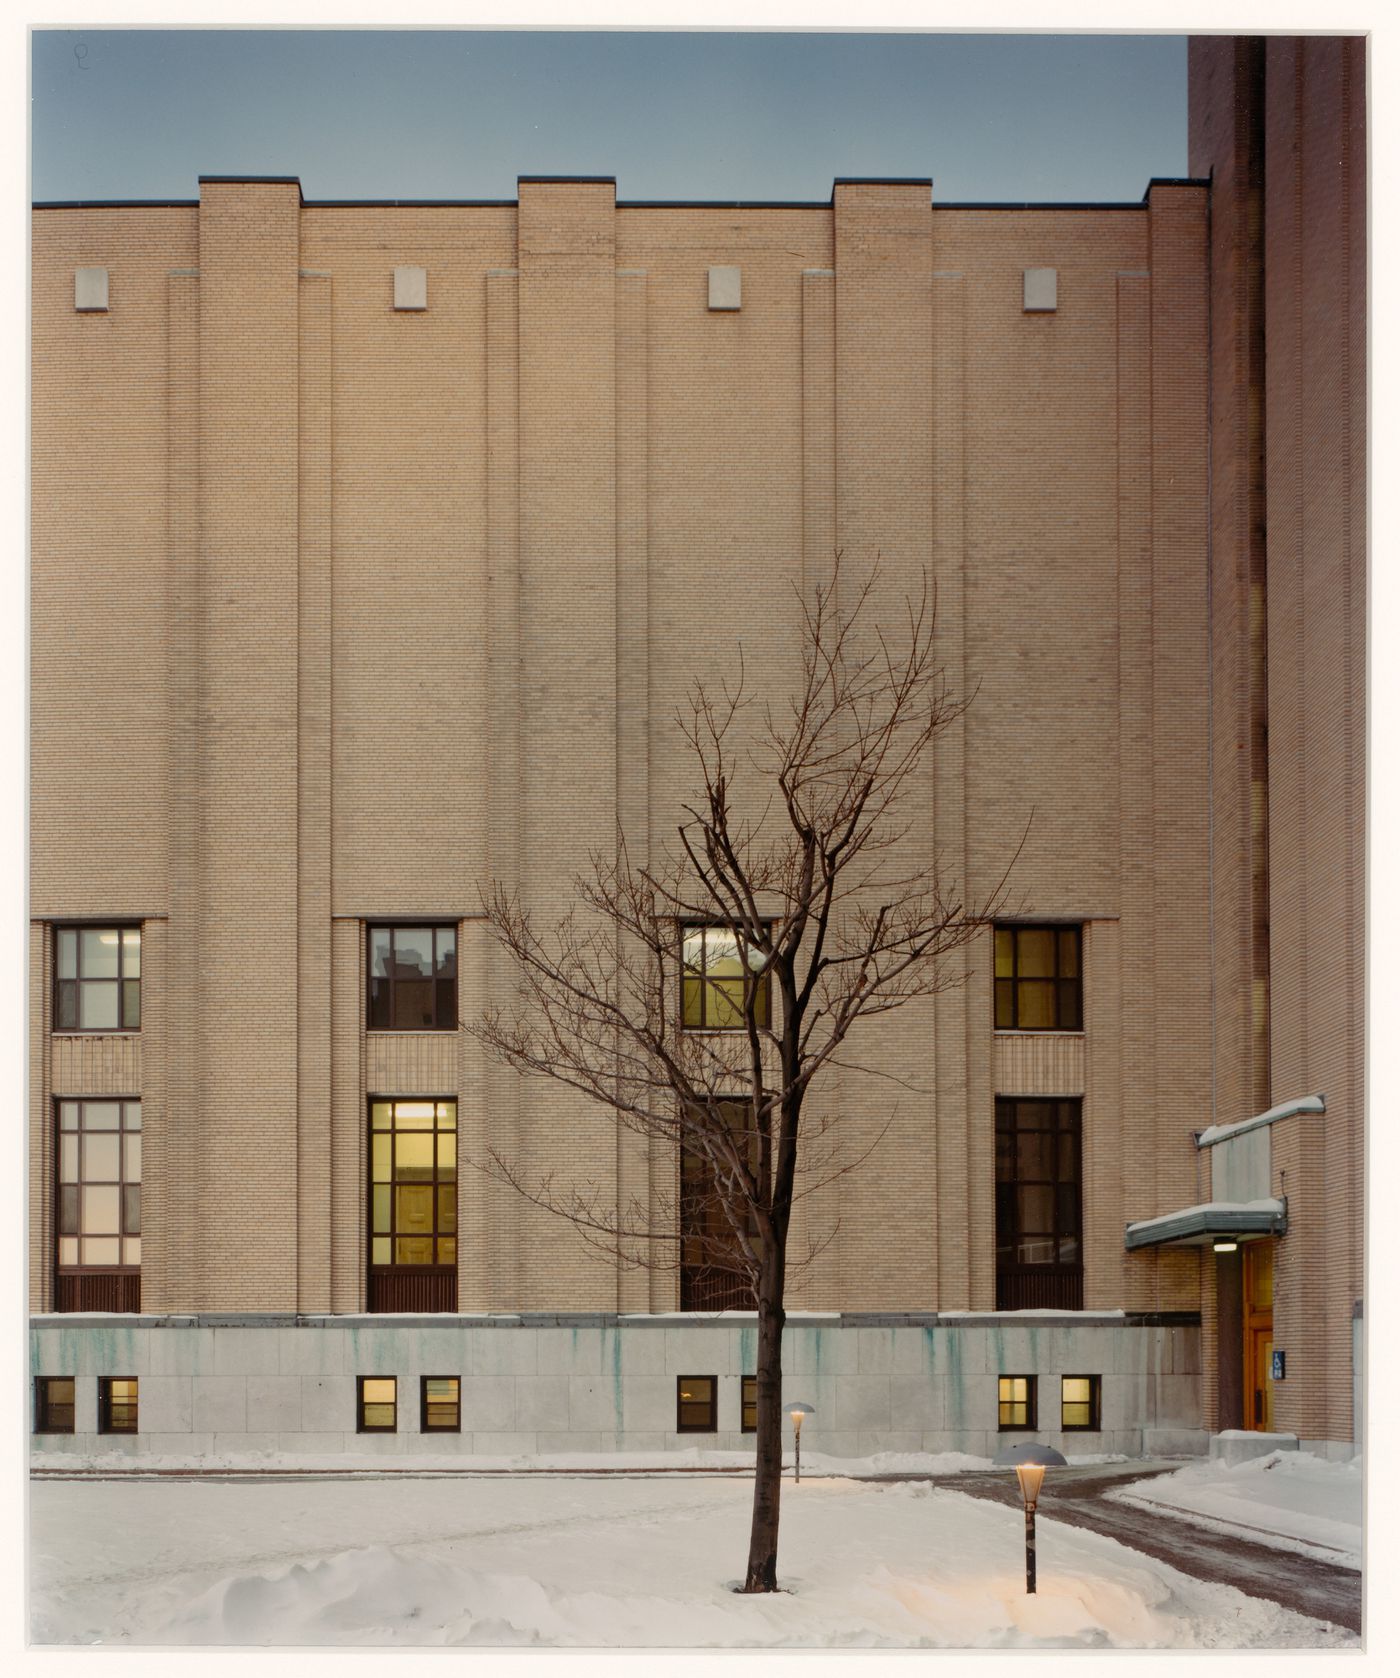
{"points": [[54, 1403], [116, 1404], [1079, 1403], [695, 1404], [748, 1406], [442, 1404], [1015, 1403], [378, 1407]]}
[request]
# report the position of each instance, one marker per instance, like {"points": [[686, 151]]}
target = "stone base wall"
{"points": [[544, 1384]]}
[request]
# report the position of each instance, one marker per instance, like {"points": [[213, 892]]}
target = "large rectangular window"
{"points": [[412, 978], [97, 978], [1039, 1260], [1038, 981], [413, 1205], [711, 1277], [116, 1404], [716, 966], [54, 1401], [99, 1185]]}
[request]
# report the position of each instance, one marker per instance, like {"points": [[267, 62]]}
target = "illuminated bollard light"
{"points": [[1030, 1462]]}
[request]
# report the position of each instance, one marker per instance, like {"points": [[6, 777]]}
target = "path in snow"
{"points": [[1076, 1497]]}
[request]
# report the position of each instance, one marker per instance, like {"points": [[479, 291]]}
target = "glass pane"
{"points": [[1075, 1415], [693, 949], [447, 1156], [131, 1004], [68, 1209], [68, 1115], [97, 1005], [379, 1004], [102, 1115], [441, 1390], [1069, 1005], [414, 1115], [380, 1389], [100, 1210], [725, 1004], [381, 1250], [1035, 1155], [413, 952], [132, 1173], [131, 953], [1069, 1156], [414, 1210], [447, 1115], [380, 1416], [1035, 1005], [692, 995], [68, 1159], [1075, 1389], [131, 1250], [131, 1209], [67, 954], [101, 1158], [1035, 952], [1005, 1019], [379, 1221], [1069, 1249], [102, 1250], [446, 1003], [447, 1249], [98, 952], [697, 1389], [414, 1156], [1069, 951], [379, 952], [413, 1004], [447, 1208], [381, 1170], [68, 1250], [1035, 1249], [417, 1249], [379, 1115], [133, 1115], [446, 952], [66, 1017], [123, 1390], [1069, 1208], [1035, 1207], [1003, 952]]}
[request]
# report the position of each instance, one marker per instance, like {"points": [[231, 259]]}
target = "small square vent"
{"points": [[725, 288], [90, 290], [410, 288], [1038, 295]]}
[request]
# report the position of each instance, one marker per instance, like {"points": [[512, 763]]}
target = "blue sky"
{"points": [[459, 114]]}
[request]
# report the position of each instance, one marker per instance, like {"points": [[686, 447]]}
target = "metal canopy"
{"points": [[1197, 1225]]}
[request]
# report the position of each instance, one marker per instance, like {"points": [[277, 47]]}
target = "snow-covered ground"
{"points": [[1289, 1500], [613, 1562]]}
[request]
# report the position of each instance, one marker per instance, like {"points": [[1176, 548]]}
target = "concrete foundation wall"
{"points": [[605, 1383]]}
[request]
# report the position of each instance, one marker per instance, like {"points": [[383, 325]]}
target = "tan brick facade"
{"points": [[342, 612]]}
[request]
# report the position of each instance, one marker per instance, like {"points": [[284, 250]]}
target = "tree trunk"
{"points": [[762, 1572]]}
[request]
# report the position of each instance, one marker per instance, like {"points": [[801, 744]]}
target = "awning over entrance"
{"points": [[1215, 1220]]}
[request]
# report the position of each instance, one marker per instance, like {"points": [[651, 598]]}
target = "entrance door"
{"points": [[1258, 1335]]}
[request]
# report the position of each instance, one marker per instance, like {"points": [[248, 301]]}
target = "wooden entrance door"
{"points": [[1258, 1335]]}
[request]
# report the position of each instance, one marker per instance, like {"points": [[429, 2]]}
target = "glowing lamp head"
{"points": [[1226, 1244], [1030, 1462], [797, 1411]]}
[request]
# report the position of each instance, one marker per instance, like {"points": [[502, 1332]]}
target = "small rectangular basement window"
{"points": [[748, 1406], [54, 1401], [1079, 1403], [116, 1404], [695, 1404], [1015, 1403], [378, 1409], [442, 1404]]}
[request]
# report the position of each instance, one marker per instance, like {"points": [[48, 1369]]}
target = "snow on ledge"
{"points": [[1285, 1110]]}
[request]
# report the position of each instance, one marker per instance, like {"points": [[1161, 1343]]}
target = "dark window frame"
{"points": [[122, 980], [1065, 1135], [122, 1183], [437, 1183], [1095, 1422], [712, 1405], [108, 1408], [363, 1426], [391, 979], [425, 1409], [708, 988], [1063, 986], [747, 1384], [1029, 1404], [705, 1282], [44, 1404]]}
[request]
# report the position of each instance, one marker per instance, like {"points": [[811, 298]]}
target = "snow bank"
{"points": [[1289, 1500], [612, 1563]]}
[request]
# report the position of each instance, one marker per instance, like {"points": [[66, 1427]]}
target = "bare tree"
{"points": [[701, 995]]}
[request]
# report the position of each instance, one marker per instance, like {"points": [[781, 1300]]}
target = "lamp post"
{"points": [[1030, 1463], [797, 1411]]}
